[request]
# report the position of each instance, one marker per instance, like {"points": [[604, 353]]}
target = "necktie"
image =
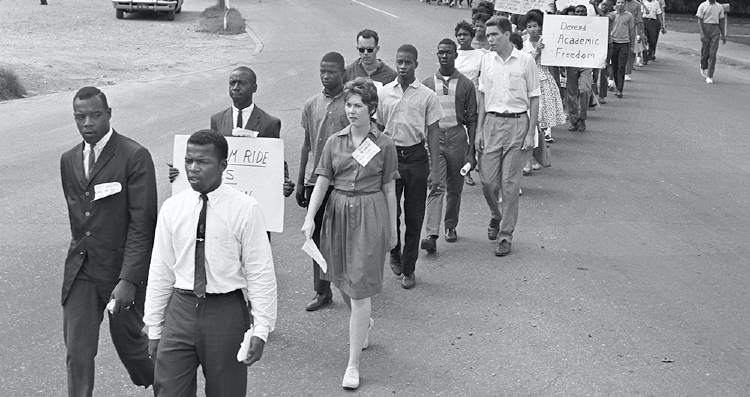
{"points": [[91, 161], [199, 288], [239, 118]]}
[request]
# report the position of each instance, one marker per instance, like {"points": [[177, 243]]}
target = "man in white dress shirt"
{"points": [[210, 253]]}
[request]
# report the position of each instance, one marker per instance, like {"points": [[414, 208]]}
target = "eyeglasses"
{"points": [[368, 49]]}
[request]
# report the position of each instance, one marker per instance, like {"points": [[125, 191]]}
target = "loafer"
{"points": [[429, 244], [396, 262], [582, 125], [450, 235], [469, 180], [502, 248], [319, 301], [367, 338], [602, 101], [351, 378], [408, 282], [493, 229], [618, 94], [573, 127]]}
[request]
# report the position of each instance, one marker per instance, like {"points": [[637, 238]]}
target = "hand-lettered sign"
{"points": [[521, 6], [255, 167], [575, 41]]}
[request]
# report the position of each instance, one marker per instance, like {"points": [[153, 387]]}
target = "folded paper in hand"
{"points": [[311, 249], [245, 345], [244, 132]]}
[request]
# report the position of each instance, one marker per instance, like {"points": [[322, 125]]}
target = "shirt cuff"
{"points": [[154, 332], [261, 331]]}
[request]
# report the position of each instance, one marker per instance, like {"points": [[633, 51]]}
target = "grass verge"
{"points": [[212, 21], [738, 29], [10, 85]]}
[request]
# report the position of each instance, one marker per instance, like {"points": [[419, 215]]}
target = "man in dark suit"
{"points": [[110, 188], [245, 114]]}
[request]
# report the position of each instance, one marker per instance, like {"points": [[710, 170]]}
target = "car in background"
{"points": [[169, 7]]}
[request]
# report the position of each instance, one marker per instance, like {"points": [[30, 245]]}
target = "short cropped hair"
{"points": [[335, 57], [449, 42], [211, 137], [365, 88], [501, 23], [90, 92], [409, 49], [369, 34], [463, 25]]}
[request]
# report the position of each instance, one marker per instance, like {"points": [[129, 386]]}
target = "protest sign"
{"points": [[575, 41], [255, 167], [521, 6]]}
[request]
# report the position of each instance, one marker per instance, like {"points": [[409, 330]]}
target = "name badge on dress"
{"points": [[365, 152], [103, 190]]}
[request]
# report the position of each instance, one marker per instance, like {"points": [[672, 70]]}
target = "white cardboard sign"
{"points": [[575, 41], [255, 167], [521, 6]]}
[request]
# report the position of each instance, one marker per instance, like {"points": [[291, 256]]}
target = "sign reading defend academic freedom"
{"points": [[520, 6], [255, 167], [575, 41]]}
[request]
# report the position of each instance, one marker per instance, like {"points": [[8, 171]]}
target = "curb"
{"points": [[728, 60]]}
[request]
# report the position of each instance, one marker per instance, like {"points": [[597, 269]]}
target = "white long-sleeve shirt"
{"points": [[238, 255]]}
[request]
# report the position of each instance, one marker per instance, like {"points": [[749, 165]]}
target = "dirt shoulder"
{"points": [[72, 43]]}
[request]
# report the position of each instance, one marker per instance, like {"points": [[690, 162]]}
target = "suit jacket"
{"points": [[116, 232], [266, 125]]}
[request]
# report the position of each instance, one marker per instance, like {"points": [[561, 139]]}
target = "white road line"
{"points": [[373, 8]]}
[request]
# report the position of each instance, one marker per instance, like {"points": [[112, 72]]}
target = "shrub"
{"points": [[10, 85]]}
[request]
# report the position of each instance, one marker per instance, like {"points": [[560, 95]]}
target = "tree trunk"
{"points": [[221, 3]]}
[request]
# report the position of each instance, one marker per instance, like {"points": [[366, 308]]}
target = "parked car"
{"points": [[170, 7]]}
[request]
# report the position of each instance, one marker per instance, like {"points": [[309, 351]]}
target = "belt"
{"points": [[507, 115], [190, 292], [353, 193]]}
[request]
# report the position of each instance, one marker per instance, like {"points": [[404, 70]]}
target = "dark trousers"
{"points": [[83, 312], [414, 168], [453, 149], [206, 332], [321, 286], [620, 53], [709, 47], [652, 28]]}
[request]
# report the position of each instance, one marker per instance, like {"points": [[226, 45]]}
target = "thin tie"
{"points": [[199, 288], [239, 118], [446, 86], [92, 161]]}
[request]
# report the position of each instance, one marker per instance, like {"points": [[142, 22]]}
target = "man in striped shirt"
{"points": [[458, 99]]}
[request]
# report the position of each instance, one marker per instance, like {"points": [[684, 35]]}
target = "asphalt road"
{"points": [[630, 259]]}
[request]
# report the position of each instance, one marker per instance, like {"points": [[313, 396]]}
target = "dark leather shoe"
{"points": [[450, 235], [503, 248], [396, 263], [409, 282], [493, 230], [582, 125], [319, 301], [573, 127], [429, 244]]}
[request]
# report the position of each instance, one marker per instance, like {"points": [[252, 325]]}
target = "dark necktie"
{"points": [[91, 160], [239, 118], [199, 288]]}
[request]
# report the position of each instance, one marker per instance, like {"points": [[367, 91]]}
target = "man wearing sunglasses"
{"points": [[368, 65], [458, 99]]}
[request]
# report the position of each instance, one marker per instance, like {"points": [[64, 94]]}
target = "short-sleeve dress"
{"points": [[356, 226], [551, 111]]}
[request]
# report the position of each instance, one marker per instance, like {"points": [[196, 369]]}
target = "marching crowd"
{"points": [[388, 154]]}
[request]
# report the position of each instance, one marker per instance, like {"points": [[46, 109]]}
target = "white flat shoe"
{"points": [[351, 378], [367, 338]]}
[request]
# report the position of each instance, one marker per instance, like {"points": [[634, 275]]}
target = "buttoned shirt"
{"points": [[237, 251], [507, 85], [384, 74], [654, 9], [98, 147], [406, 114], [338, 165], [710, 13], [322, 117], [246, 112]]}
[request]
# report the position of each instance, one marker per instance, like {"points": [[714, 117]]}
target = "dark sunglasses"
{"points": [[368, 49]]}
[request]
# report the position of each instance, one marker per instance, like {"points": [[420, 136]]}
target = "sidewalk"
{"points": [[731, 53]]}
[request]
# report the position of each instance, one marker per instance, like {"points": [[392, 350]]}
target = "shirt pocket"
{"points": [[225, 254], [516, 83]]}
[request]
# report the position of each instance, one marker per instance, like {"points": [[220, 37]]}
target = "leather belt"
{"points": [[507, 115], [353, 193], [190, 292]]}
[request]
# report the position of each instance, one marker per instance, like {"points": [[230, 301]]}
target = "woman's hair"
{"points": [[365, 88], [504, 25], [481, 16], [534, 16], [485, 7], [568, 10], [463, 25]]}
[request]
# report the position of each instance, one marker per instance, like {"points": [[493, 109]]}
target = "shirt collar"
{"points": [[246, 110], [102, 142], [213, 196], [374, 131], [380, 66], [513, 54], [332, 98], [453, 76], [395, 83]]}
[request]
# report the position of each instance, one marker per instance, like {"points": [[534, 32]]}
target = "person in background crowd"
{"points": [[603, 9], [478, 19], [711, 22], [322, 116], [458, 99], [653, 23], [359, 225], [368, 64], [634, 8], [578, 85], [508, 121], [623, 42]]}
